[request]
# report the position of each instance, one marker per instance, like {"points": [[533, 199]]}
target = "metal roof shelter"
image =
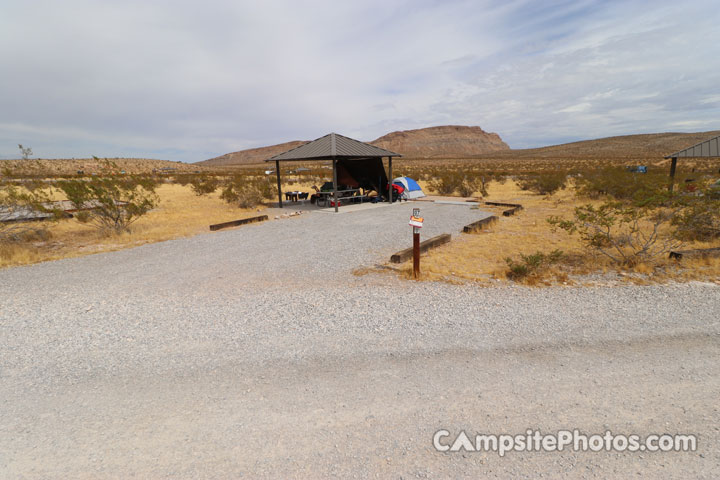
{"points": [[707, 149], [337, 148]]}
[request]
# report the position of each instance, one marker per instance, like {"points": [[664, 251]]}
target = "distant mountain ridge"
{"points": [[639, 146], [453, 141], [251, 156], [443, 141]]}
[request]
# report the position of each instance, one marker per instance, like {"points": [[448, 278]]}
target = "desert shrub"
{"points": [[699, 219], [184, 179], [111, 204], [15, 202], [545, 183], [425, 176], [448, 182], [477, 182], [532, 265], [248, 192], [444, 182], [204, 184], [624, 232], [619, 183], [471, 184], [500, 178]]}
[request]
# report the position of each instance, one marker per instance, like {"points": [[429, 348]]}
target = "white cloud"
{"points": [[580, 107], [187, 80], [711, 99]]}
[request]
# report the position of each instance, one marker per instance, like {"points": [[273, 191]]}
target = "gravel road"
{"points": [[255, 352]]}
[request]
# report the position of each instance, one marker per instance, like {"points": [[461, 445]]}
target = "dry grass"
{"points": [[179, 214], [480, 257]]}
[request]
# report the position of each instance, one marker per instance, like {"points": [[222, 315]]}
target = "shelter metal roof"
{"points": [[708, 148], [333, 145]]}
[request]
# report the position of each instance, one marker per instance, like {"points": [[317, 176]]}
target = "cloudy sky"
{"points": [[189, 80]]}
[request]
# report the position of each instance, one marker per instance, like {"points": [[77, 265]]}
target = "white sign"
{"points": [[416, 221]]}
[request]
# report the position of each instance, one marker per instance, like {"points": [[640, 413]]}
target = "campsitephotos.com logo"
{"points": [[573, 440]]}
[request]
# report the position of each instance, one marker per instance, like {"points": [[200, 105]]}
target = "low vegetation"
{"points": [[641, 225], [178, 213], [203, 184], [16, 202], [617, 220], [465, 183], [531, 266], [620, 184], [630, 236], [700, 219], [248, 192], [244, 190], [626, 234], [111, 205], [545, 183]]}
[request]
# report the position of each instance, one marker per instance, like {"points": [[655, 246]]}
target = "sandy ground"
{"points": [[197, 358]]}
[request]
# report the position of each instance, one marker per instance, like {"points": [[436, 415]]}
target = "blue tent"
{"points": [[412, 189]]}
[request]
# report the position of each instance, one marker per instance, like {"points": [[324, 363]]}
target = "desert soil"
{"points": [[256, 352]]}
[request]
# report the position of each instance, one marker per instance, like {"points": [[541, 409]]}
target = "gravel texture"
{"points": [[256, 352]]}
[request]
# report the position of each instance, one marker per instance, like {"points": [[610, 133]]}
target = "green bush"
{"points": [[531, 265], [619, 183], [625, 233], [204, 184], [248, 192], [444, 182], [545, 183], [465, 183], [111, 204], [700, 219]]}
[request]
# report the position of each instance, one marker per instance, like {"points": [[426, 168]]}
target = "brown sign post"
{"points": [[416, 221]]}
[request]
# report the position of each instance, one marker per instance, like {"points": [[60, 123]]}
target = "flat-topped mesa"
{"points": [[443, 141]]}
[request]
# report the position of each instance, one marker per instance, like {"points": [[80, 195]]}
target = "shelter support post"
{"points": [[673, 166], [390, 180], [277, 172], [335, 186]]}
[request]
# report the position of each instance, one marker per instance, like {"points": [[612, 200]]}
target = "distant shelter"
{"points": [[354, 163]]}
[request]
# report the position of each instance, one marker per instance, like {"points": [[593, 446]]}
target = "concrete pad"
{"points": [[446, 202], [446, 198], [356, 207]]}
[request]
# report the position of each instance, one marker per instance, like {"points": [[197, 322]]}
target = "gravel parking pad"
{"points": [[255, 351]]}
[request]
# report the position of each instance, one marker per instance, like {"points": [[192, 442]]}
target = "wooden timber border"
{"points": [[407, 254], [514, 207], [480, 224], [235, 223], [701, 252]]}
